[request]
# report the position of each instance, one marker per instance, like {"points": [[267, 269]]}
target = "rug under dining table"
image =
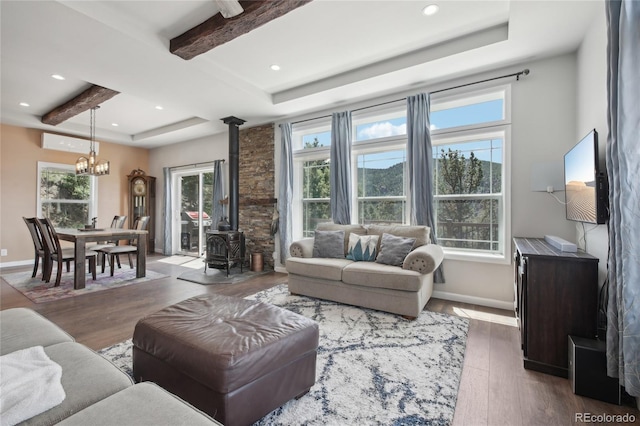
{"points": [[39, 292]]}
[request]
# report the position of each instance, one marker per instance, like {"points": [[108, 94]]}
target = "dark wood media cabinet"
{"points": [[556, 296]]}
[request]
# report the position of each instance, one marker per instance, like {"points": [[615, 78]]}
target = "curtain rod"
{"points": [[196, 164], [515, 74]]}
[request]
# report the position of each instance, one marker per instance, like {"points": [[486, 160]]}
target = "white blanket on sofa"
{"points": [[29, 385]]}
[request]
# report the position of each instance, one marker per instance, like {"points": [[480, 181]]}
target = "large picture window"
{"points": [[470, 140], [66, 199], [468, 199], [382, 187]]}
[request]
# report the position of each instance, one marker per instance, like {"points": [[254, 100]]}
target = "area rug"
{"points": [[218, 276], [373, 368], [39, 292]]}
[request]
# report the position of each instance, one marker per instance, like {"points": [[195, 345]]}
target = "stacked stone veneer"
{"points": [[256, 190]]}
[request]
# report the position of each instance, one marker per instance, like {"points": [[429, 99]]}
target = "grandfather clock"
{"points": [[142, 202]]}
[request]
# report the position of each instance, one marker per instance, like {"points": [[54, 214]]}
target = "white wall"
{"points": [[591, 107], [192, 152], [543, 129]]}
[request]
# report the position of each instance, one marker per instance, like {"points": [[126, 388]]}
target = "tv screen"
{"points": [[586, 182]]}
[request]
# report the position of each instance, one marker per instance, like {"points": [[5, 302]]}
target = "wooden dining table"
{"points": [[80, 238]]}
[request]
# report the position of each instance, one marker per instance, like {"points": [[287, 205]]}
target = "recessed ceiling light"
{"points": [[432, 9], [57, 76], [114, 124], [159, 107], [275, 67], [24, 104]]}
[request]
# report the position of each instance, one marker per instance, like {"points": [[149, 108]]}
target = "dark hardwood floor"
{"points": [[495, 389]]}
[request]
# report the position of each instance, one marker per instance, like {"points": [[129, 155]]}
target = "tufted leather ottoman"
{"points": [[235, 359]]}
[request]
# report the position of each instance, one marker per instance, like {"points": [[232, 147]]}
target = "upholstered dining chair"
{"points": [[38, 245], [117, 222], [141, 223], [55, 253]]}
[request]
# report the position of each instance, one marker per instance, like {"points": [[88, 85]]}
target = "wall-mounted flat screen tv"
{"points": [[585, 178]]}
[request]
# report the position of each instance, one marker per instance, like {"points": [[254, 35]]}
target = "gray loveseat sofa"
{"points": [[403, 289], [96, 391]]}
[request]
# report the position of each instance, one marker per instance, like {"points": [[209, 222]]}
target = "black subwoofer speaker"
{"points": [[588, 371]]}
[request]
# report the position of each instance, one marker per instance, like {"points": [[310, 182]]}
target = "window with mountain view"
{"points": [[468, 194], [381, 187], [470, 144]]}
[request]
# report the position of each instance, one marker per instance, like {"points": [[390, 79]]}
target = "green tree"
{"points": [[457, 174], [315, 184], [316, 176]]}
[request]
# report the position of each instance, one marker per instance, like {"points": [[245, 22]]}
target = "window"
{"points": [[470, 139], [315, 194], [382, 187], [63, 197], [468, 200]]}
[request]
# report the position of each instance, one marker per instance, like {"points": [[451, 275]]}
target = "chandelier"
{"points": [[92, 166]]}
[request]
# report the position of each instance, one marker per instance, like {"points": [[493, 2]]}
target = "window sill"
{"points": [[500, 259]]}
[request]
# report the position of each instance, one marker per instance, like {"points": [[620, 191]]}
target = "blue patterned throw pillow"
{"points": [[362, 247]]}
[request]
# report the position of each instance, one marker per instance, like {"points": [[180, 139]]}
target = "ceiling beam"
{"points": [[92, 97], [217, 30]]}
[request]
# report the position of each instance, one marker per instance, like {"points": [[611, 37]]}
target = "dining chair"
{"points": [[55, 253], [38, 245], [117, 222], [141, 223]]}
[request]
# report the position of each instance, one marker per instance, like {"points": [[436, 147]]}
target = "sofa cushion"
{"points": [[22, 328], [144, 403], [394, 249], [348, 229], [372, 274], [362, 247], [420, 233], [86, 378], [328, 269], [328, 244]]}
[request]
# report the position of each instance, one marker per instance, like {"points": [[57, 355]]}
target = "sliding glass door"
{"points": [[192, 206]]}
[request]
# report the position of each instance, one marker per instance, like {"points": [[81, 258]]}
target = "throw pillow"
{"points": [[362, 247], [394, 249], [328, 244]]}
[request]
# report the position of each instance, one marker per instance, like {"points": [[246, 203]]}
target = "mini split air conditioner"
{"points": [[67, 143]]}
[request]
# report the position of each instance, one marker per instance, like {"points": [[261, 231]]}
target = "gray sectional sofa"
{"points": [[96, 391], [404, 289]]}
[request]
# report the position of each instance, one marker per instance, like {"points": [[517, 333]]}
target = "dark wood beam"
{"points": [[217, 30], [92, 97]]}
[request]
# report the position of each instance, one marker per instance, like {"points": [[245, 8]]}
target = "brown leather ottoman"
{"points": [[235, 359]]}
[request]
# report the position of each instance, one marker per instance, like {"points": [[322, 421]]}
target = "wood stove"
{"points": [[224, 250]]}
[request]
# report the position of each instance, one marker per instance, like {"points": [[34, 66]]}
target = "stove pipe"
{"points": [[234, 161]]}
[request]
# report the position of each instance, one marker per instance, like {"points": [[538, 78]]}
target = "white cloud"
{"points": [[381, 130]]}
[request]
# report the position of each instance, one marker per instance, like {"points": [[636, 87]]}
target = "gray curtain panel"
{"points": [[420, 161], [285, 191], [217, 209], [340, 171], [623, 170], [167, 240]]}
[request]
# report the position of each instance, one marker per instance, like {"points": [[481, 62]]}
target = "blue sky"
{"points": [[453, 117]]}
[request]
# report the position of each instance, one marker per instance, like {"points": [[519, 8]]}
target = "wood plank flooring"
{"points": [[495, 389]]}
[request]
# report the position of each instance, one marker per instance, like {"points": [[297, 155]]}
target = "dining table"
{"points": [[80, 237]]}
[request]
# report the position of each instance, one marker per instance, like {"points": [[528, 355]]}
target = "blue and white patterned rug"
{"points": [[372, 367]]}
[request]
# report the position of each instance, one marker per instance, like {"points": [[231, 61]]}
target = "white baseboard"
{"points": [[16, 263], [280, 269], [491, 303]]}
